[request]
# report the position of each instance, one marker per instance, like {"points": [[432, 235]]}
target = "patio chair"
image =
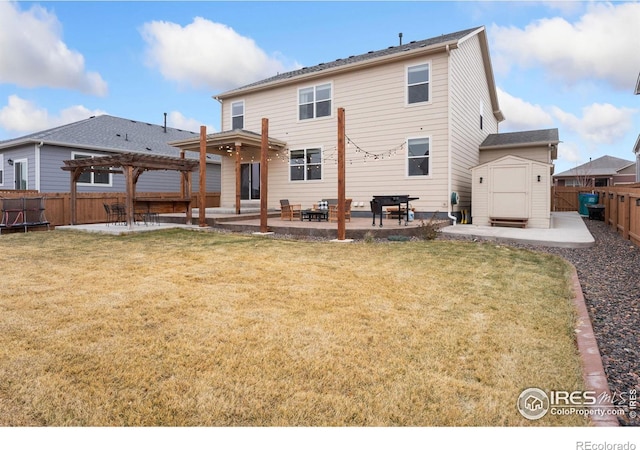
{"points": [[110, 214], [118, 213], [333, 211], [289, 211]]}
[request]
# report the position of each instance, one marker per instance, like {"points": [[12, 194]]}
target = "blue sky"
{"points": [[567, 65]]}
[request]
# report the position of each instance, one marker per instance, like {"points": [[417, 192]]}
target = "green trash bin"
{"points": [[584, 200]]}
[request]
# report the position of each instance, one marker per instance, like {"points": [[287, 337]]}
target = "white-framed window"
{"points": [[237, 115], [314, 101], [1, 169], [305, 164], [93, 178], [418, 157], [418, 83]]}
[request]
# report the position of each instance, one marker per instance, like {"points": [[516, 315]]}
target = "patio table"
{"points": [[317, 214]]}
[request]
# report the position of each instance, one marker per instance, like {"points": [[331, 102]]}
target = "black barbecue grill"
{"points": [[379, 201]]}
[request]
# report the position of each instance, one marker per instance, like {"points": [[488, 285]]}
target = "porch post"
{"points": [[202, 205], [264, 148], [238, 184], [342, 231]]}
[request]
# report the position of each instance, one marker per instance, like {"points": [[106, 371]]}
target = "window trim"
{"points": [[2, 172], [232, 116], [304, 165], [406, 83], [92, 183], [315, 102], [429, 157]]}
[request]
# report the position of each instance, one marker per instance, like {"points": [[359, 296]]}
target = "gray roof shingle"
{"points": [[109, 133], [605, 165], [358, 58], [549, 136]]}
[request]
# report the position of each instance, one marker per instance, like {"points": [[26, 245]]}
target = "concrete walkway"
{"points": [[124, 229], [567, 230]]}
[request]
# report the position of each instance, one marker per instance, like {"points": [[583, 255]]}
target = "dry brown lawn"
{"points": [[181, 328]]}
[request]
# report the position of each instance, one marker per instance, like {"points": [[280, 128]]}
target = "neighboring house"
{"points": [[603, 171], [415, 117], [34, 161], [513, 179]]}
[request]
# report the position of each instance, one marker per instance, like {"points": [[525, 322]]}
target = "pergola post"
{"points": [[238, 180], [203, 177], [264, 173], [130, 192], [186, 193], [342, 231], [75, 174]]}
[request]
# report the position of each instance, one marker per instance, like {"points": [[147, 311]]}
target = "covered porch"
{"points": [[237, 144]]}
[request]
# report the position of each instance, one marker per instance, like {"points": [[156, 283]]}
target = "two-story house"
{"points": [[416, 115]]}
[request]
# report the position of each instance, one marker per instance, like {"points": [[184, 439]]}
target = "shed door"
{"points": [[509, 192]]}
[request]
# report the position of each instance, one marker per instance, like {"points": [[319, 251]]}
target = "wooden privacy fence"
{"points": [[621, 206], [90, 207]]}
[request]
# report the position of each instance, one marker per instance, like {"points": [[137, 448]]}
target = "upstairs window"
{"points": [[418, 84], [1, 169], [418, 157], [103, 178], [305, 164], [314, 101], [237, 115]]}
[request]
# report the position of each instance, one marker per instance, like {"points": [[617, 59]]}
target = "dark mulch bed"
{"points": [[609, 273]]}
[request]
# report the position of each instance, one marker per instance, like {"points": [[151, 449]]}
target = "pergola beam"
{"points": [[133, 165]]}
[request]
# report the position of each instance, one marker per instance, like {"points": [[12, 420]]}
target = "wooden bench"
{"points": [[522, 223]]}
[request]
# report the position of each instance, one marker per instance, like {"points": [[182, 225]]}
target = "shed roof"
{"points": [[510, 159]]}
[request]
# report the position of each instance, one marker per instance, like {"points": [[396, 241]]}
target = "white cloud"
{"points": [[600, 123], [601, 45], [176, 119], [23, 116], [520, 114], [568, 151], [207, 54], [38, 56]]}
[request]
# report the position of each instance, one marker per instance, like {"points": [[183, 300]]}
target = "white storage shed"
{"points": [[512, 191]]}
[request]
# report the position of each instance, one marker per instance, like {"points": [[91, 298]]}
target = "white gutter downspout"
{"points": [[37, 162], [221, 110], [449, 150]]}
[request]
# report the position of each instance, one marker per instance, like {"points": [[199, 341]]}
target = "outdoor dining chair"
{"points": [[333, 211], [289, 211]]}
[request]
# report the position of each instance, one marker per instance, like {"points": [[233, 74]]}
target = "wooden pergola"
{"points": [[233, 142], [132, 165]]}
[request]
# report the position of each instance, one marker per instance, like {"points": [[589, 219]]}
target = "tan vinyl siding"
{"points": [[513, 180], [469, 89], [535, 153], [377, 120], [540, 196], [480, 201]]}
